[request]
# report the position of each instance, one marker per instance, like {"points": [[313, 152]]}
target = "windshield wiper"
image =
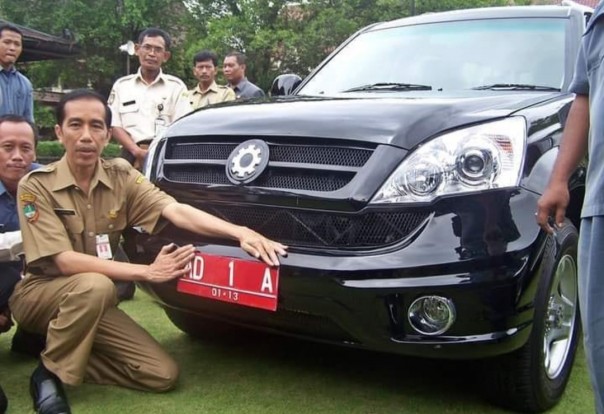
{"points": [[516, 87], [390, 86]]}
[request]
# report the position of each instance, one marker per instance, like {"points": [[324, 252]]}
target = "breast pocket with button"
{"points": [[74, 225], [129, 112], [112, 226]]}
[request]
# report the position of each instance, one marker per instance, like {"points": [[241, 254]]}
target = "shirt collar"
{"points": [[240, 85], [213, 88], [34, 166], [160, 77], [9, 71], [66, 179]]}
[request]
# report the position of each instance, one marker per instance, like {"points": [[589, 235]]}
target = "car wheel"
{"points": [[533, 378]]}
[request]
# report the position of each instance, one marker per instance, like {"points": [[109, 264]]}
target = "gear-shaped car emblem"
{"points": [[247, 161], [243, 168]]}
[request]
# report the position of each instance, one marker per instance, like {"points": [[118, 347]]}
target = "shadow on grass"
{"points": [[420, 382], [239, 371]]}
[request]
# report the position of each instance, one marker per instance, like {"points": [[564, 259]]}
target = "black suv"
{"points": [[403, 173]]}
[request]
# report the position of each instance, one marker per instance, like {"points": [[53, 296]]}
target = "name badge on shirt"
{"points": [[64, 212], [103, 247]]}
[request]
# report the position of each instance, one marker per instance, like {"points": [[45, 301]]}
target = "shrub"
{"points": [[54, 149]]}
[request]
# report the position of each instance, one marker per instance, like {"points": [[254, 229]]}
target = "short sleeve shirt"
{"points": [[9, 218], [56, 216], [589, 80], [213, 95], [16, 94], [136, 105]]}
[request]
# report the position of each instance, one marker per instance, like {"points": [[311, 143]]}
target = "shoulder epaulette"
{"points": [[125, 78], [117, 164]]}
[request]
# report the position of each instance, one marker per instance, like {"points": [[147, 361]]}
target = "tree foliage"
{"points": [[99, 26], [277, 36]]}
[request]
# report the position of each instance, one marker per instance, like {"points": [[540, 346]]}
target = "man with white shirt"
{"points": [[145, 103]]}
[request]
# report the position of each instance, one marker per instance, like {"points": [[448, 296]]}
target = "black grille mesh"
{"points": [[349, 157], [317, 175], [200, 151], [300, 154], [324, 229], [287, 179]]}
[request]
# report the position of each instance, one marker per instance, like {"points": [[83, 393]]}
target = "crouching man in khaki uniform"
{"points": [[72, 214]]}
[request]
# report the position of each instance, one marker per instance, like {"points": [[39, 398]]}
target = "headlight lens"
{"points": [[477, 158]]}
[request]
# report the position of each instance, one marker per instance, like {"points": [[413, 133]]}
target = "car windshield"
{"points": [[449, 56]]}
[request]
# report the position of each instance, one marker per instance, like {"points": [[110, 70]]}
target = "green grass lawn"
{"points": [[252, 373]]}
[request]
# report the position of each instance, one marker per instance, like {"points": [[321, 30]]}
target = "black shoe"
{"points": [[47, 392], [3, 401], [27, 343]]}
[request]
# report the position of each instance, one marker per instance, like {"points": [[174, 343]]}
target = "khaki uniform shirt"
{"points": [[56, 216], [215, 94], [136, 105]]}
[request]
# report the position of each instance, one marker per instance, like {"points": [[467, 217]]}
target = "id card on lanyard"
{"points": [[103, 247], [161, 123]]}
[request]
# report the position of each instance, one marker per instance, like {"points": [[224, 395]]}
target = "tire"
{"points": [[533, 378]]}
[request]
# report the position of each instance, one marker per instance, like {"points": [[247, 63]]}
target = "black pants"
{"points": [[10, 274]]}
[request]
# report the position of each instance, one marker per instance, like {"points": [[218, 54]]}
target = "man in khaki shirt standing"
{"points": [[207, 92], [145, 103], [72, 214]]}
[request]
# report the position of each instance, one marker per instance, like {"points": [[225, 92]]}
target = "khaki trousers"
{"points": [[87, 337]]}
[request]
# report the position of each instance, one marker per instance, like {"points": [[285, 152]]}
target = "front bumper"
{"points": [[362, 300]]}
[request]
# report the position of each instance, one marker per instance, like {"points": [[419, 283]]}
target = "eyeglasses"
{"points": [[155, 49]]}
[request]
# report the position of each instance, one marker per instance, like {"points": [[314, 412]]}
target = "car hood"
{"points": [[400, 120]]}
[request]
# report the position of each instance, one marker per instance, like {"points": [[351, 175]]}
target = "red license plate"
{"points": [[228, 279]]}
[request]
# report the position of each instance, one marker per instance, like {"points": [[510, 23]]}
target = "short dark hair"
{"points": [[155, 32], [205, 55], [80, 94], [10, 28], [17, 119], [240, 57]]}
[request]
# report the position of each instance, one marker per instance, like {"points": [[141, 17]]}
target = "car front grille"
{"points": [[293, 165], [318, 229]]}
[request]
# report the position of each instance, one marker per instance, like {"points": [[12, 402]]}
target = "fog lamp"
{"points": [[431, 315]]}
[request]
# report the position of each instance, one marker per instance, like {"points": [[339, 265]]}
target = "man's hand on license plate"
{"points": [[171, 262], [260, 247]]}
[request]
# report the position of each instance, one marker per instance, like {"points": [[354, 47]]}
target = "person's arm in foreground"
{"points": [[200, 222], [170, 263], [573, 148]]}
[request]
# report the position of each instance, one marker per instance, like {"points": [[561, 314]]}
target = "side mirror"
{"points": [[284, 85]]}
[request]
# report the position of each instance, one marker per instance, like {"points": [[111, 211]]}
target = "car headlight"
{"points": [[477, 158], [148, 164]]}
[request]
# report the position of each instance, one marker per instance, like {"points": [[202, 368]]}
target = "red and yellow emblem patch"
{"points": [[30, 210]]}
